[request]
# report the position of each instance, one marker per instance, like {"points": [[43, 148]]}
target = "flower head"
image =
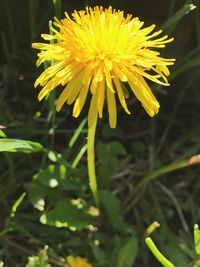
{"points": [[77, 262], [95, 52]]}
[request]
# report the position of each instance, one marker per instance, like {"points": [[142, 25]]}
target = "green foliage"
{"points": [[109, 158], [66, 215], [54, 175], [16, 145], [144, 168], [197, 239], [127, 253], [112, 206], [165, 262], [172, 21], [38, 261], [2, 133]]}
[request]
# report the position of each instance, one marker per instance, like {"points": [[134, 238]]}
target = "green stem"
{"points": [[52, 100], [151, 228], [58, 8], [152, 176], [159, 256], [91, 161], [33, 7]]}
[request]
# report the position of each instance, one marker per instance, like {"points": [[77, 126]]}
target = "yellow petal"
{"points": [[108, 80], [52, 84], [98, 75], [49, 73], [88, 73], [111, 108], [75, 89], [93, 111], [70, 260], [93, 86], [70, 72], [119, 73], [146, 30], [48, 37], [101, 97], [143, 93], [121, 95], [70, 92], [80, 101]]}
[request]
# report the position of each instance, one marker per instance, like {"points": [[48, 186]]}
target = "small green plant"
{"points": [[39, 261], [164, 261]]}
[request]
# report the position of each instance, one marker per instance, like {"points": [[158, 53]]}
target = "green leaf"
{"points": [[65, 214], [38, 261], [128, 252], [186, 66], [37, 196], [197, 239], [49, 176], [56, 175], [176, 249], [17, 145], [2, 134], [98, 252], [112, 206], [108, 154]]}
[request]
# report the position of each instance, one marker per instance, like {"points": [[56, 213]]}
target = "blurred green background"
{"points": [[44, 195]]}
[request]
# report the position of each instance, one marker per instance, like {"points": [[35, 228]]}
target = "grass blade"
{"points": [[170, 24]]}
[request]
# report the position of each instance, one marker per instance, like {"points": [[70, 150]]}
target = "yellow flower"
{"points": [[96, 51], [77, 262]]}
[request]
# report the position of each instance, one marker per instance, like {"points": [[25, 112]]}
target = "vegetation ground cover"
{"points": [[145, 167]]}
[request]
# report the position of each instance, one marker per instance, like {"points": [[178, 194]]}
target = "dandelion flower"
{"points": [[77, 262], [97, 51]]}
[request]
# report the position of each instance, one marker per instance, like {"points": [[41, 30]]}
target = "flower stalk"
{"points": [[95, 53], [91, 161], [159, 256]]}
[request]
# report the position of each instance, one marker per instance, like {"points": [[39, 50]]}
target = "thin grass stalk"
{"points": [[197, 18], [58, 8], [33, 6], [155, 174], [52, 96], [52, 102]]}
